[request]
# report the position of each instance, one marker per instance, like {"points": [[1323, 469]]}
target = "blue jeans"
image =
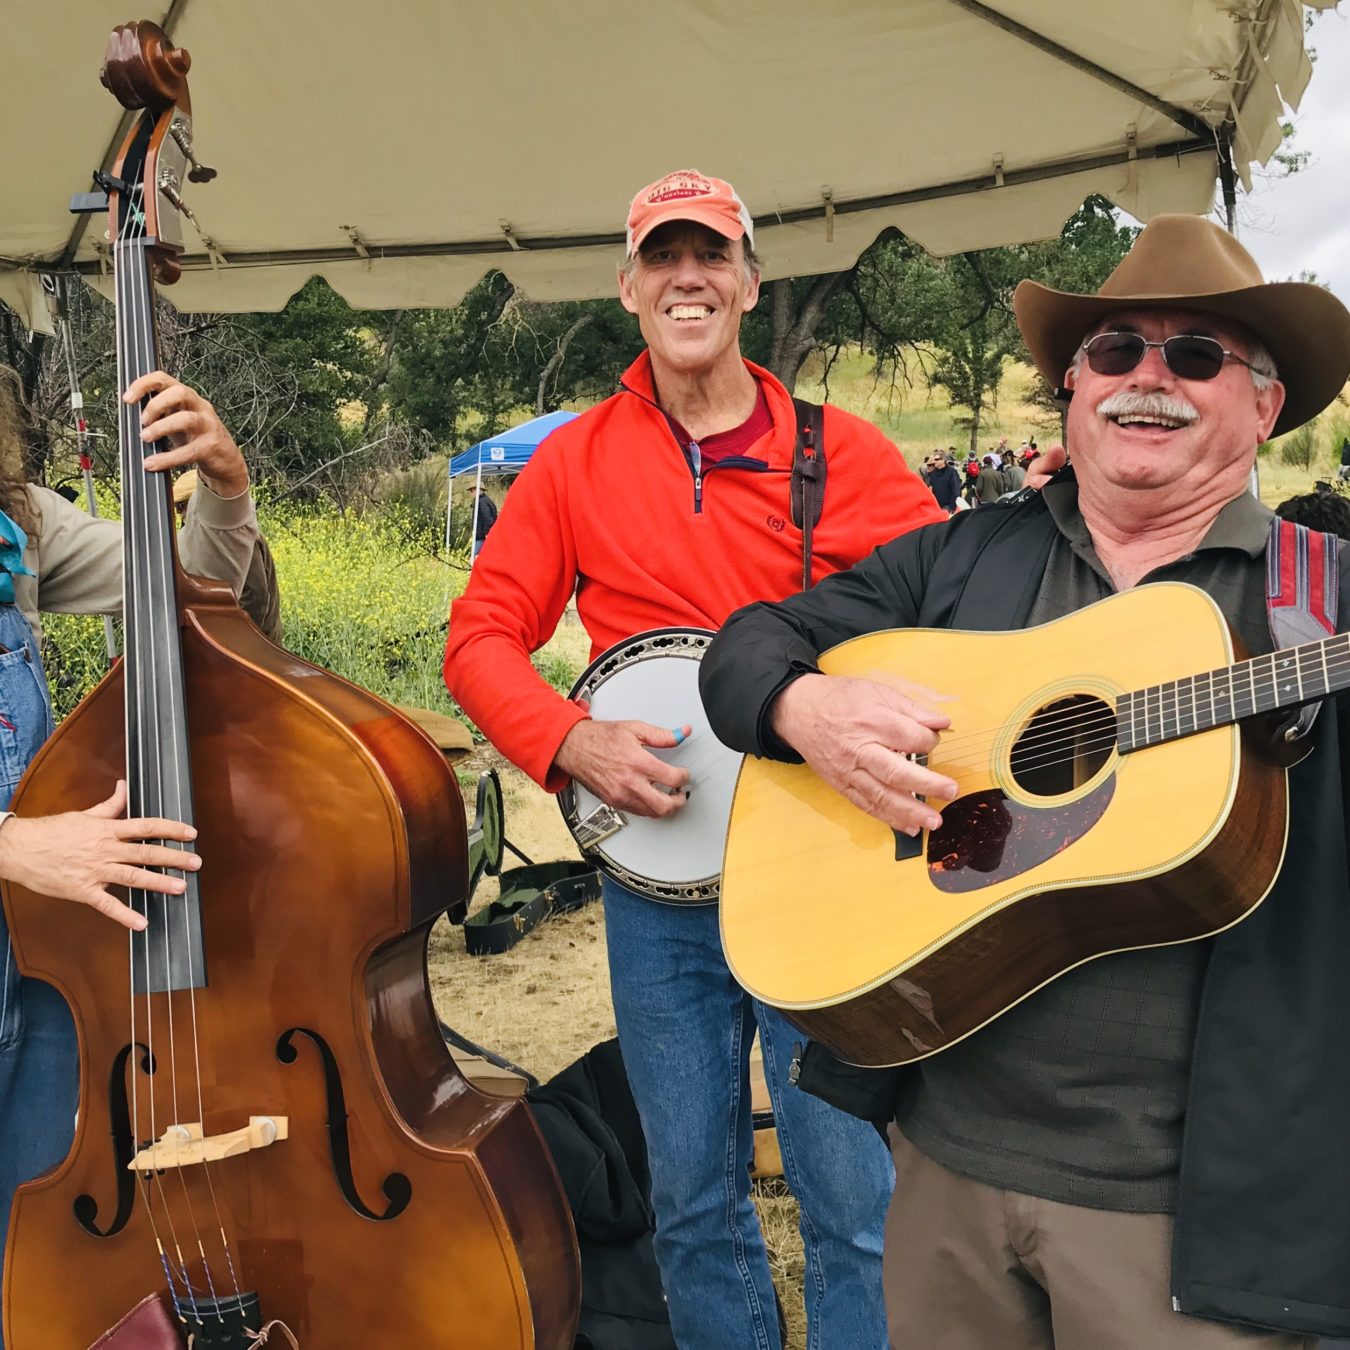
{"points": [[685, 1027], [39, 1063]]}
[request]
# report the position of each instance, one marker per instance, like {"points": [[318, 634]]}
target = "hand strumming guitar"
{"points": [[858, 735]]}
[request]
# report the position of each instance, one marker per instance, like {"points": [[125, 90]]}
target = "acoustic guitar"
{"points": [[1114, 793]]}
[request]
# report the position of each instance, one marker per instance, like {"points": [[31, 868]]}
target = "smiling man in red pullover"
{"points": [[669, 504]]}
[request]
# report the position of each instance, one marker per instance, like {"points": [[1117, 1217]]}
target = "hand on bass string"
{"points": [[191, 425], [78, 855], [857, 736], [612, 759]]}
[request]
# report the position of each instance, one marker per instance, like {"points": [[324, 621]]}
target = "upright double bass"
{"points": [[270, 1129]]}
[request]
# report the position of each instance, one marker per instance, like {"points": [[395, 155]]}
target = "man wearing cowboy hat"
{"points": [[1151, 1147]]}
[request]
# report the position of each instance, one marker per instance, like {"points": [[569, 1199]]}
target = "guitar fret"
{"points": [[1268, 697], [1194, 703], [1125, 723], [1284, 687]]}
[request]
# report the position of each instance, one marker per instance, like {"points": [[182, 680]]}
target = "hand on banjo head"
{"points": [[613, 761]]}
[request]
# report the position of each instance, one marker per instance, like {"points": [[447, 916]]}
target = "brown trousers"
{"points": [[971, 1267]]}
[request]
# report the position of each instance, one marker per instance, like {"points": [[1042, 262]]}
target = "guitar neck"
{"points": [[1265, 684]]}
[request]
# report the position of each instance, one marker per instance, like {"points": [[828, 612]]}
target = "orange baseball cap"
{"points": [[688, 195]]}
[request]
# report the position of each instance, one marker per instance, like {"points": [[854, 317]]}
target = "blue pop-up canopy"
{"points": [[510, 451]]}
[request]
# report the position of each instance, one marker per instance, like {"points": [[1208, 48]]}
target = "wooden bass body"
{"points": [[1065, 842], [403, 1207]]}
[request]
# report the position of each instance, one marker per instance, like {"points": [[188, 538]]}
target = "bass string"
{"points": [[191, 911], [157, 629], [174, 800], [135, 608]]}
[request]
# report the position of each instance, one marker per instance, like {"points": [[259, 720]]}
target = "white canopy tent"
{"points": [[402, 151]]}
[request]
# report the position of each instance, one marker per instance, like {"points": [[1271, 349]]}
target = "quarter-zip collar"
{"points": [[774, 451]]}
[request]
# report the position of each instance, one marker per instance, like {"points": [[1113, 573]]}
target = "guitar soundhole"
{"points": [[1064, 745]]}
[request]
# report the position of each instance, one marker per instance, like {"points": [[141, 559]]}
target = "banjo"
{"points": [[653, 677]]}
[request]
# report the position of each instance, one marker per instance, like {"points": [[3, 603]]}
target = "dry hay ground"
{"points": [[546, 1001]]}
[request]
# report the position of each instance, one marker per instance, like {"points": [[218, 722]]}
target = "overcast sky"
{"points": [[1302, 223]]}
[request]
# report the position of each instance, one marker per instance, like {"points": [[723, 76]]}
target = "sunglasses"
{"points": [[1188, 355]]}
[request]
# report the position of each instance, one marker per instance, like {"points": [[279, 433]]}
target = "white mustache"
{"points": [[1127, 404]]}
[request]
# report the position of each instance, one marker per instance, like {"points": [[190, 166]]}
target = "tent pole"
{"points": [[1228, 182], [1188, 121], [449, 504], [1228, 186]]}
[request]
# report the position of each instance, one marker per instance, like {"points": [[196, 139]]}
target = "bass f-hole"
{"points": [[396, 1187]]}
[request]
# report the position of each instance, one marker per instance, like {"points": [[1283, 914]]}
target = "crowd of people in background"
{"points": [[1000, 472]]}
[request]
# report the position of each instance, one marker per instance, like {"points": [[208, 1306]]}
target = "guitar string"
{"points": [[1259, 684], [181, 797], [1050, 757], [1050, 754], [1043, 750], [1263, 683], [1042, 745], [1046, 733]]}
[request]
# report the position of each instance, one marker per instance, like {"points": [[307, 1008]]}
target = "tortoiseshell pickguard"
{"points": [[986, 837]]}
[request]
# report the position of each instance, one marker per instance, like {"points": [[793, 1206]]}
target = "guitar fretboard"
{"points": [[1284, 679]]}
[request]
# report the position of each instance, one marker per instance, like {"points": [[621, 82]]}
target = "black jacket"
{"points": [[588, 1118], [484, 517], [945, 485], [1263, 1216]]}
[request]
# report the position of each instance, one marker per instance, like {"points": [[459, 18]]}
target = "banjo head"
{"points": [[653, 677]]}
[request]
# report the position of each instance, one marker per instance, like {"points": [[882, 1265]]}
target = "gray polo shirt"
{"points": [[1078, 1094]]}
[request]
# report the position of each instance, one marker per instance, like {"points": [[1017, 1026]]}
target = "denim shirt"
{"points": [[25, 723]]}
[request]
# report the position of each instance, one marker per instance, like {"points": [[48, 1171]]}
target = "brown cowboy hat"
{"points": [[1188, 262]]}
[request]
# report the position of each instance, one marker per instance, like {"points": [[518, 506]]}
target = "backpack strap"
{"points": [[808, 476], [1302, 595]]}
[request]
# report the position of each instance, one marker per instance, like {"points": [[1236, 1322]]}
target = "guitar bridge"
{"points": [[911, 846], [601, 824]]}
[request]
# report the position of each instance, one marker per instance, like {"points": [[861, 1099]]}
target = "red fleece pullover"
{"points": [[610, 506]]}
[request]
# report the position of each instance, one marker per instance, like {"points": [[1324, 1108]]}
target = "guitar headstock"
{"points": [[145, 71]]}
